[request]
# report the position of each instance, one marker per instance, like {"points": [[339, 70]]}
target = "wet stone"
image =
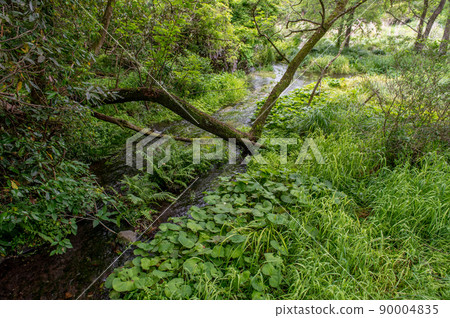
{"points": [[127, 236]]}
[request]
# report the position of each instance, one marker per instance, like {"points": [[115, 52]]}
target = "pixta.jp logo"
{"points": [[143, 146]]}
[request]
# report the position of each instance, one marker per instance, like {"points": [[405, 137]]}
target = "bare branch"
{"points": [[265, 35], [400, 21]]}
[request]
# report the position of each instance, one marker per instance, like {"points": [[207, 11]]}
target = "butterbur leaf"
{"points": [[169, 265], [211, 199], [185, 241], [257, 283], [173, 227], [268, 269], [160, 274], [169, 226], [198, 215], [211, 226], [244, 277], [165, 246], [176, 289], [109, 280], [146, 263], [190, 266], [136, 261], [256, 295], [286, 198], [266, 206], [218, 251], [195, 227], [275, 279], [279, 219], [312, 231], [185, 291], [122, 286], [257, 213], [220, 218], [144, 282], [270, 258]]}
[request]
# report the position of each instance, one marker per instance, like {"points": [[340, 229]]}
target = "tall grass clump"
{"points": [[340, 66]]}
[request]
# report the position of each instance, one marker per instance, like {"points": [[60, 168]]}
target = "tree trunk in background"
{"points": [[286, 80], [423, 16], [348, 30], [105, 24], [445, 37], [339, 35], [432, 19]]}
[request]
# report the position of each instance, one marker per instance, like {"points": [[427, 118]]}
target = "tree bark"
{"points": [[264, 112], [423, 16], [339, 35], [445, 37], [432, 19], [348, 30], [180, 107], [106, 20], [420, 44]]}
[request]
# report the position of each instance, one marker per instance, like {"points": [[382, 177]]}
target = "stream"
{"points": [[40, 276]]}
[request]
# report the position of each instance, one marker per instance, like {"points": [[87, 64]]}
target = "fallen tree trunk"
{"points": [[126, 124], [180, 107]]}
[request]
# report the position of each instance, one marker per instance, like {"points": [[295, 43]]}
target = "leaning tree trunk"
{"points": [[445, 37], [106, 20], [423, 16], [285, 81]]}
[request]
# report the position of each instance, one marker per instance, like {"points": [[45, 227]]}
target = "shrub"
{"points": [[340, 66], [414, 103], [44, 194]]}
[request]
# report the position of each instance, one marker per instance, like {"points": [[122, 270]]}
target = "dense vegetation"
{"points": [[372, 222]]}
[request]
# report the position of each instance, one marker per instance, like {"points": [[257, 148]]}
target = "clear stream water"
{"points": [[39, 276]]}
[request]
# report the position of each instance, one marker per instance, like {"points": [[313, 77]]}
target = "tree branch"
{"points": [[265, 35], [400, 21], [126, 124]]}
